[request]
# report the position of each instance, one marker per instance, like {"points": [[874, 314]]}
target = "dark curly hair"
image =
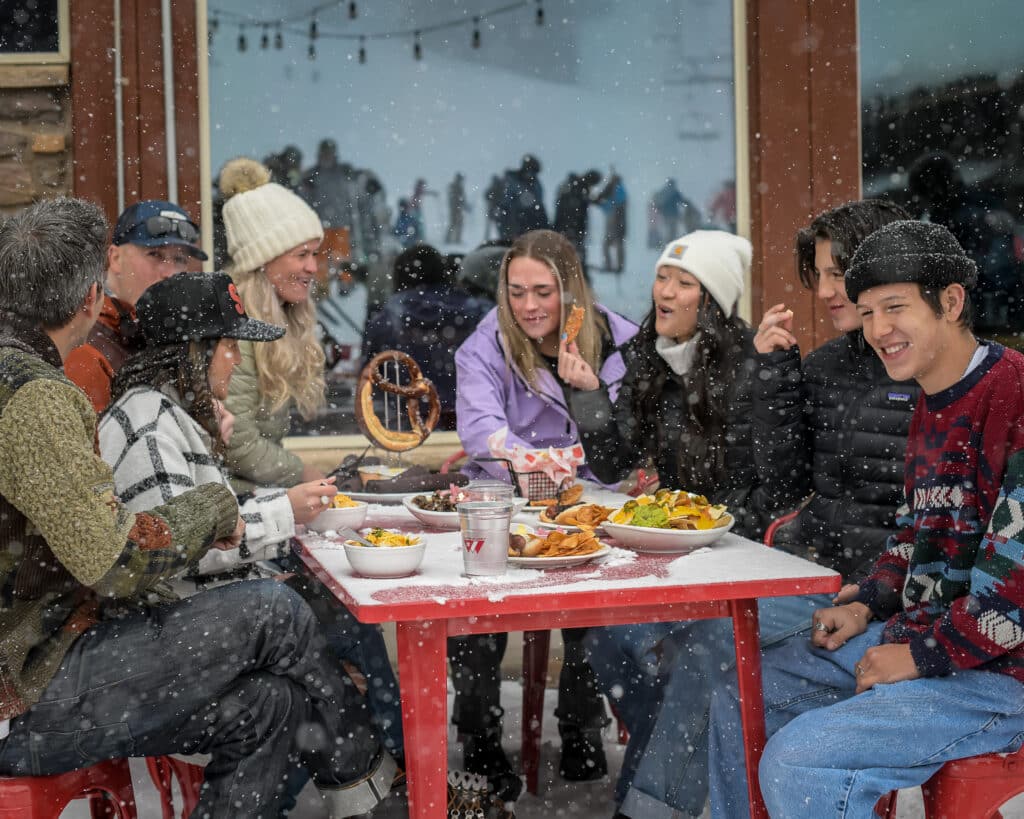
{"points": [[185, 367], [706, 387], [846, 227]]}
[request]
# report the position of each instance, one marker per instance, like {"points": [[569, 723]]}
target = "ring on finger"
{"points": [[324, 500], [857, 669], [820, 626]]}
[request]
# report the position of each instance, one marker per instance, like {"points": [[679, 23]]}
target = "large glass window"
{"points": [[406, 120], [33, 30], [942, 90]]}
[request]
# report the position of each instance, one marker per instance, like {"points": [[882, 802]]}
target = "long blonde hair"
{"points": [[555, 251], [291, 368]]}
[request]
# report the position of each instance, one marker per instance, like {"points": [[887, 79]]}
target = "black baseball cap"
{"points": [[191, 306], [155, 223]]}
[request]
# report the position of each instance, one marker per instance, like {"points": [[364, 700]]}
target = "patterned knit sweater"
{"points": [[951, 581], [158, 452], [67, 545]]}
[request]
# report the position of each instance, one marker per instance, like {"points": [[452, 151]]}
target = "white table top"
{"points": [[733, 561]]}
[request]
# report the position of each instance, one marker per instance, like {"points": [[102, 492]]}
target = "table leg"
{"points": [[748, 672], [422, 673], [535, 675]]}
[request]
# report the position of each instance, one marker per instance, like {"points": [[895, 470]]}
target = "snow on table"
{"points": [[733, 559]]}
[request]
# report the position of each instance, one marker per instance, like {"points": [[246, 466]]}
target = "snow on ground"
{"points": [[560, 799]]}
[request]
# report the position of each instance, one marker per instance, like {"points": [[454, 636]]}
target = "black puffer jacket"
{"points": [[616, 442], [838, 427]]}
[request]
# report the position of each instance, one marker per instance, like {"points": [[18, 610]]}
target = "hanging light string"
{"points": [[315, 32], [248, 19]]}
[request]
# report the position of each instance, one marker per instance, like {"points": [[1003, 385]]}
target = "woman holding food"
{"points": [[273, 240], [166, 431], [684, 405], [514, 372]]}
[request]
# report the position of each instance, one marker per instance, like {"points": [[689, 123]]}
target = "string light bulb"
{"points": [[265, 38], [362, 51], [540, 13], [314, 32], [476, 32], [242, 44], [214, 25], [312, 50], [353, 12], [417, 49], [278, 38]]}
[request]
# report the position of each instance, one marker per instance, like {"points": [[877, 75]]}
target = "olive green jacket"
{"points": [[256, 456], [67, 545]]}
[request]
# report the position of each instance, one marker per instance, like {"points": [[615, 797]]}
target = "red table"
{"points": [[438, 603]]}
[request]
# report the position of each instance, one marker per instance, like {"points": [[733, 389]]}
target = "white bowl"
{"points": [[670, 541], [435, 520], [445, 520], [385, 561], [330, 519]]}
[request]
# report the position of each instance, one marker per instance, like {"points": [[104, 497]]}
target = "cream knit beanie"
{"points": [[261, 218], [720, 261]]}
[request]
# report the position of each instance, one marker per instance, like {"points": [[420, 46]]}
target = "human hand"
{"points": [[225, 419], [234, 540], [311, 498], [775, 332], [846, 594], [888, 663], [833, 627], [573, 370]]}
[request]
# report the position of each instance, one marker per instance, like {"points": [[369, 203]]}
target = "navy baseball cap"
{"points": [[191, 306], [154, 223]]}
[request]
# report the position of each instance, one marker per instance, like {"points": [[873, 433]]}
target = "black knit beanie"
{"points": [[915, 252]]}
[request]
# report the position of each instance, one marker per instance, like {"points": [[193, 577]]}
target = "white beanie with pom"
{"points": [[262, 219], [720, 261]]}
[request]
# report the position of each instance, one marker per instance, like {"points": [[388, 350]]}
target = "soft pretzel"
{"points": [[573, 324], [417, 388]]}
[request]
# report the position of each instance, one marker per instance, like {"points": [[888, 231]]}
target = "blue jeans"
{"points": [[361, 644], [834, 753], [240, 672], [659, 677]]}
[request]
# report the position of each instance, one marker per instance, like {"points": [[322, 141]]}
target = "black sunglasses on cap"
{"points": [[157, 226]]}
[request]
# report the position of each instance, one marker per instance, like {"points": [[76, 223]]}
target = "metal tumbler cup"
{"points": [[485, 527]]}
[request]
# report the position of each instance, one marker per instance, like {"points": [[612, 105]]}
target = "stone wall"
{"points": [[35, 134]]}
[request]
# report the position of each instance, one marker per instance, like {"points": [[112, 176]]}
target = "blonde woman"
{"points": [[516, 370], [510, 371], [273, 239]]}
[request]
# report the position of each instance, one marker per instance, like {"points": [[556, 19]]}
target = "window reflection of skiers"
{"points": [[419, 192], [286, 167], [492, 206], [522, 201], [984, 230], [671, 215], [571, 204], [722, 210], [457, 208], [326, 187], [612, 200], [407, 226]]}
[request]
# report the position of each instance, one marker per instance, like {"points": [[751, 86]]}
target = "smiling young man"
{"points": [[152, 241], [927, 663]]}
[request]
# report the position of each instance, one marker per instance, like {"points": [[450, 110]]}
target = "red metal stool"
{"points": [[535, 676], [107, 786], [451, 460], [190, 781], [975, 787]]}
